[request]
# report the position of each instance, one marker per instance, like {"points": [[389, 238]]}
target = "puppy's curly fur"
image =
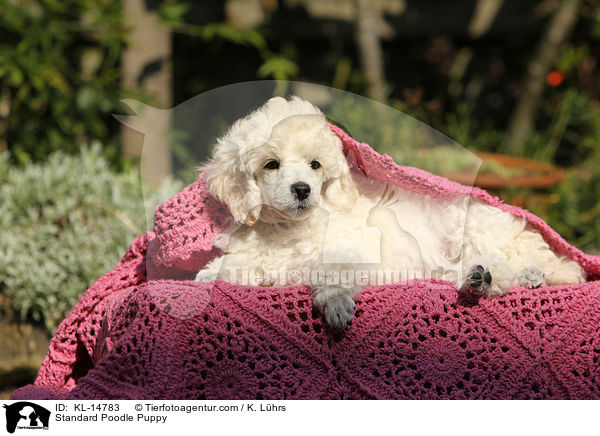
{"points": [[303, 217]]}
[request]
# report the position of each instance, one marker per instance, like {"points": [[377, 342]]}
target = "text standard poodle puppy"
{"points": [[302, 216]]}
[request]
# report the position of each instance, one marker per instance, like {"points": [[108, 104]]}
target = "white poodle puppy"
{"points": [[303, 217]]}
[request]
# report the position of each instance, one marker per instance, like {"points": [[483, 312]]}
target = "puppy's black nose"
{"points": [[301, 190]]}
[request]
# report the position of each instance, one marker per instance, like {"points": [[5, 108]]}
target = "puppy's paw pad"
{"points": [[477, 281], [531, 277], [339, 311]]}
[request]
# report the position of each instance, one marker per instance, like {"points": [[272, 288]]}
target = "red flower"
{"points": [[555, 78]]}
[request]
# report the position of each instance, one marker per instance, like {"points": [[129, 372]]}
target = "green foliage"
{"points": [[278, 66], [59, 75], [172, 12], [64, 224], [576, 212]]}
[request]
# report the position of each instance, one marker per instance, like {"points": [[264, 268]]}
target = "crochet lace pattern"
{"points": [[145, 331]]}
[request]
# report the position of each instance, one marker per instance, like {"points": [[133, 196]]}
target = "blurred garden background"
{"points": [[516, 81]]}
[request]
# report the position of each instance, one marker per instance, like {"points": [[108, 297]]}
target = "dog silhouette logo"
{"points": [[26, 415]]}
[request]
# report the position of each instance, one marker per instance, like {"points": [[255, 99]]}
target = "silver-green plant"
{"points": [[63, 224]]}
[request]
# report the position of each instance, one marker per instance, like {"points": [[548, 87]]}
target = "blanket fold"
{"points": [[144, 330]]}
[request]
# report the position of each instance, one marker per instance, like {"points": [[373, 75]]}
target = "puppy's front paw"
{"points": [[339, 311], [477, 282], [531, 277]]}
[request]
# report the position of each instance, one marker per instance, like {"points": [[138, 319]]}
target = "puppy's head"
{"points": [[276, 164]]}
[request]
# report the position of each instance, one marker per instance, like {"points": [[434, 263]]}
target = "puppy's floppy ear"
{"points": [[341, 190], [232, 182]]}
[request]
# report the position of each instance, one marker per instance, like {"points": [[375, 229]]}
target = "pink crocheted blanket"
{"points": [[134, 335]]}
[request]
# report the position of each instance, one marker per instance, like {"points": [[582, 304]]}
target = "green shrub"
{"points": [[576, 212], [64, 224], [59, 75]]}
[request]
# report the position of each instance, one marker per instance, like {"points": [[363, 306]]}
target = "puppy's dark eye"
{"points": [[315, 165], [272, 165]]}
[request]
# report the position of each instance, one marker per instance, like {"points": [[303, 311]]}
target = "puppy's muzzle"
{"points": [[300, 190]]}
